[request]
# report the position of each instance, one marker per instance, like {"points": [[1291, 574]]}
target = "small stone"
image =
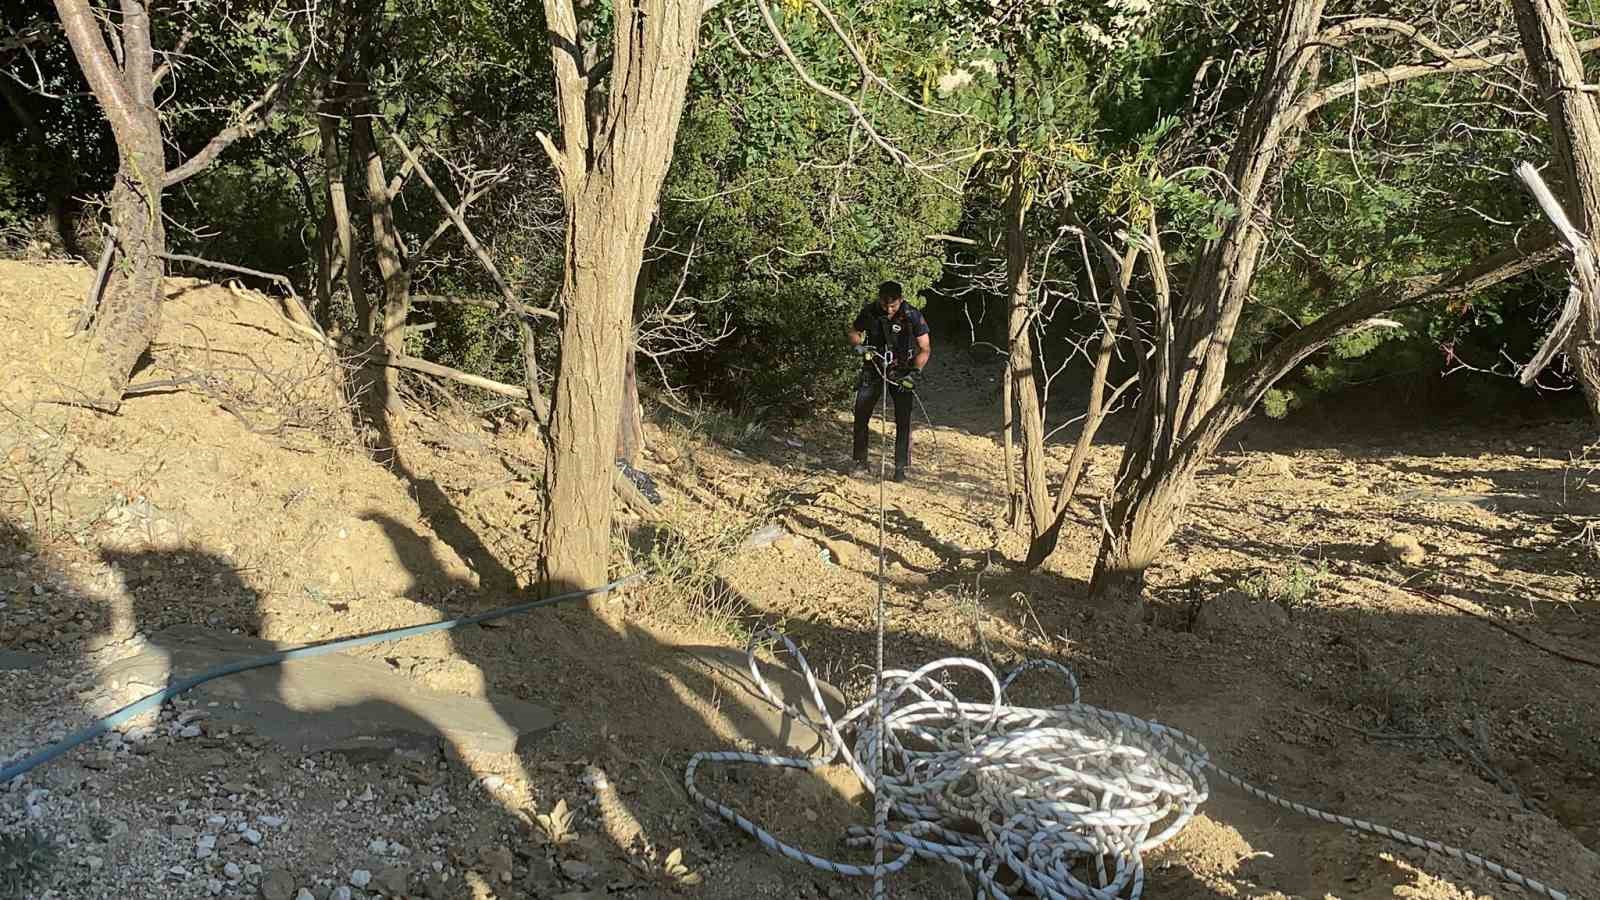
{"points": [[252, 836], [393, 880], [216, 821], [93, 862], [577, 871], [277, 884], [360, 878], [214, 886], [189, 731], [494, 858], [1402, 548], [305, 895], [100, 761], [342, 892], [179, 871], [271, 821], [232, 872], [182, 833], [378, 846]]}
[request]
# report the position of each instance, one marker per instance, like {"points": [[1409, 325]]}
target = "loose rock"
{"points": [[1402, 548], [277, 884], [393, 880]]}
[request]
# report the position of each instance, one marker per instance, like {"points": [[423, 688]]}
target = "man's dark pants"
{"points": [[869, 390]]}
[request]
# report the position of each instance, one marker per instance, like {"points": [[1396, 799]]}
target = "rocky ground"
{"points": [[1362, 621]]}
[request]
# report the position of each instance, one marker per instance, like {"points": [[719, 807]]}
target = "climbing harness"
{"points": [[1057, 802]]}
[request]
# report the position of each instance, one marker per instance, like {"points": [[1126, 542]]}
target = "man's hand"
{"points": [[860, 349], [908, 379]]}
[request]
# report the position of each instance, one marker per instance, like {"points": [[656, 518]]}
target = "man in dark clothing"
{"points": [[893, 338]]}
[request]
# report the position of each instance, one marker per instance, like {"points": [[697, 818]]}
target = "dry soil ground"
{"points": [[1401, 684]]}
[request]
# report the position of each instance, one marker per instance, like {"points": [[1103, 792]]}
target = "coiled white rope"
{"points": [[1056, 803]]}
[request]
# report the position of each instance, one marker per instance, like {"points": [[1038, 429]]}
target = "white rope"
{"points": [[1055, 803]]}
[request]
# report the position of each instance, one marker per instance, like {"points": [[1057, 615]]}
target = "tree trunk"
{"points": [[630, 423], [1008, 440], [129, 315], [1192, 339], [334, 239], [1557, 67], [611, 179], [1044, 542], [1144, 520], [1035, 490], [388, 321]]}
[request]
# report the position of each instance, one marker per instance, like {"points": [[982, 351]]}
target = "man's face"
{"points": [[891, 305]]}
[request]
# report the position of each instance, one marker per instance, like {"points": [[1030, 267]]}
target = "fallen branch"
{"points": [[1519, 634], [421, 365], [92, 302]]}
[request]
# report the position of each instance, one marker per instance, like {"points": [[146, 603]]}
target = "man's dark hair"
{"points": [[889, 290]]}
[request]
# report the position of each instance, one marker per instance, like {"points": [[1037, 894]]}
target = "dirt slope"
{"points": [[239, 496]]}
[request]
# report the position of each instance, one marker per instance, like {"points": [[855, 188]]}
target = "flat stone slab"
{"points": [[333, 702], [11, 660], [750, 712]]}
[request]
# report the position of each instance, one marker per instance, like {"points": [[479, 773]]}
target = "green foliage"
{"points": [[1293, 585]]}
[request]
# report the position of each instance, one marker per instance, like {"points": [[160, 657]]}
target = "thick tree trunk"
{"points": [[1143, 520], [1025, 385], [611, 180], [588, 395], [1557, 66]]}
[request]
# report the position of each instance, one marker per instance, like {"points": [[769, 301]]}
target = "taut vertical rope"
{"points": [[880, 802]]}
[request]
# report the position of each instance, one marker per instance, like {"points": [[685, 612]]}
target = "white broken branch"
{"points": [[1585, 276]]}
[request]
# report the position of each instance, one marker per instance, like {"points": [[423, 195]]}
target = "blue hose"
{"points": [[271, 659]]}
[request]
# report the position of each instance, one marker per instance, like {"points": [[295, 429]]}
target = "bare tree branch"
{"points": [[513, 302], [1470, 279], [1585, 277], [1452, 62], [251, 120]]}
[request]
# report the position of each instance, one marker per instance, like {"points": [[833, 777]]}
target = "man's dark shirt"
{"points": [[895, 335]]}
